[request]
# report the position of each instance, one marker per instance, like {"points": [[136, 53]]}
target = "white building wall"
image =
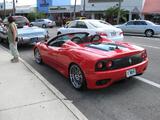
{"points": [[133, 6], [101, 6]]}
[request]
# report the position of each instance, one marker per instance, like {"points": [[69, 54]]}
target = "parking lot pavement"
{"points": [[26, 95]]}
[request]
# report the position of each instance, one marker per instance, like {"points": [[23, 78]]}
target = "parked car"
{"points": [[19, 20], [93, 27], [90, 60], [77, 18], [43, 23], [27, 35], [145, 27]]}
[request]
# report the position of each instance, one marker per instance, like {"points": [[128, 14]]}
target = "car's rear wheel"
{"points": [[44, 26], [37, 56], [58, 33], [149, 33], [77, 77]]}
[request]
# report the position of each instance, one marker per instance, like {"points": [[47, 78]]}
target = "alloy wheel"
{"points": [[37, 56], [76, 77]]}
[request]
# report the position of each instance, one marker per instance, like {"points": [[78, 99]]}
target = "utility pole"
{"points": [[4, 8], [74, 14], [119, 10], [84, 6], [14, 9]]}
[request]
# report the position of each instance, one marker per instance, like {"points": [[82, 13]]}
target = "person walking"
{"points": [[12, 39]]}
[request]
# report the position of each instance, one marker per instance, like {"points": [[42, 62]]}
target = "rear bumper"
{"points": [[31, 40], [112, 75]]}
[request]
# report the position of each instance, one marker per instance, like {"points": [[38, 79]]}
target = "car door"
{"points": [[81, 26], [140, 26], [128, 27], [70, 28], [56, 52], [36, 22]]}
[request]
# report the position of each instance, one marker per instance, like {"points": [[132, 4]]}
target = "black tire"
{"points": [[58, 33], [31, 25], [44, 26], [149, 33], [76, 77], [37, 56]]}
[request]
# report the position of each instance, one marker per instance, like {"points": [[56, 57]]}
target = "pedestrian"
{"points": [[13, 39]]}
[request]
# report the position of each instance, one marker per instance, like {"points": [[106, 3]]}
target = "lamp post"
{"points": [[74, 14], [4, 8], [14, 7], [84, 6], [119, 10]]}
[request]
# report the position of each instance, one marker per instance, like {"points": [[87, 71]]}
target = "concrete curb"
{"points": [[56, 92]]}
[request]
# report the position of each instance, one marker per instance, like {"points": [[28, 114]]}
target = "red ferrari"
{"points": [[91, 61]]}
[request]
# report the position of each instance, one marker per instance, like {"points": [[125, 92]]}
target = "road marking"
{"points": [[149, 46], [148, 81]]}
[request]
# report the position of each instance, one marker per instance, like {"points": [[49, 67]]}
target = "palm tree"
{"points": [[111, 15]]}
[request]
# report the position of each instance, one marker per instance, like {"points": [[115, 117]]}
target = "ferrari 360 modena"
{"points": [[91, 61]]}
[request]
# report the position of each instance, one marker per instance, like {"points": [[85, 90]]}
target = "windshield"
{"points": [[98, 23]]}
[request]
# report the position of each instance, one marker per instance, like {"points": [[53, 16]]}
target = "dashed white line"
{"points": [[147, 81], [149, 46]]}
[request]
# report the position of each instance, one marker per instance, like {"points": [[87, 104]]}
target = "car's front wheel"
{"points": [[77, 77], [149, 33], [37, 56]]}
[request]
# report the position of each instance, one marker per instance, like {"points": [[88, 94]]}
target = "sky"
{"points": [[33, 2]]}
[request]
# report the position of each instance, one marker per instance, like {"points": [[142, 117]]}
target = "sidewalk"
{"points": [[26, 95]]}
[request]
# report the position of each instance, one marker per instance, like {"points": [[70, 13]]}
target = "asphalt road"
{"points": [[127, 100]]}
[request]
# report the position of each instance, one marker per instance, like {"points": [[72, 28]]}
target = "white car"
{"points": [[145, 27], [93, 27]]}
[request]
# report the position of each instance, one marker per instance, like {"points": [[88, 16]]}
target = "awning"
{"points": [[151, 7]]}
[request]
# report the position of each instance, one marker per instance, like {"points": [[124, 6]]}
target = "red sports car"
{"points": [[91, 61]]}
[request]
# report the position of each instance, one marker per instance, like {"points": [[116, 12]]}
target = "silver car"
{"points": [[43, 23], [145, 27], [27, 35]]}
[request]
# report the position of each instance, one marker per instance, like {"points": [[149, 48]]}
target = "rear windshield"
{"points": [[99, 24]]}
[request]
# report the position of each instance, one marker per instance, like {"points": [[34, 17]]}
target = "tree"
{"points": [[111, 15], [34, 15]]}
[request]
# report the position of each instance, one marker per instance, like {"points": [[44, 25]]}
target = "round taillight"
{"points": [[144, 55], [109, 64], [99, 65]]}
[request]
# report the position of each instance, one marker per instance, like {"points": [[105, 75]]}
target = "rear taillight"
{"points": [[101, 33], [121, 33], [27, 23], [103, 65], [144, 55], [109, 64]]}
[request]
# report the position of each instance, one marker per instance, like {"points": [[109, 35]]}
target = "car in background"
{"points": [[27, 35], [77, 18], [44, 23], [19, 20], [93, 27], [90, 60], [145, 27]]}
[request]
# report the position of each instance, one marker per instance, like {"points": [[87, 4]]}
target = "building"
{"points": [[96, 8]]}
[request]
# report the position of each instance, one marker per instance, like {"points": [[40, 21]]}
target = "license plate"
{"points": [[130, 72], [34, 39], [113, 33]]}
